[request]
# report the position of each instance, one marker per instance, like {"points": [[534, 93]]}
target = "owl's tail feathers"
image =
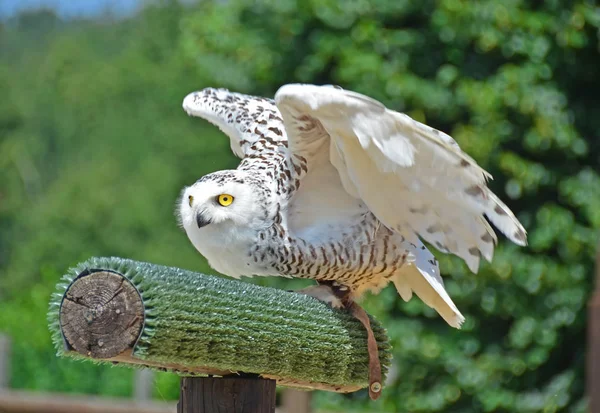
{"points": [[426, 282]]}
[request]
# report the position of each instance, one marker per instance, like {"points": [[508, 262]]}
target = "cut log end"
{"points": [[101, 314]]}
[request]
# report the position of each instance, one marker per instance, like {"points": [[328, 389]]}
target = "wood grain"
{"points": [[226, 395], [102, 314]]}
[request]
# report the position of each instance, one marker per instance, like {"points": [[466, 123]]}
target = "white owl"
{"points": [[335, 187]]}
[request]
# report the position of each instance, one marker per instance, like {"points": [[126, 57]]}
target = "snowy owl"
{"points": [[333, 186]]}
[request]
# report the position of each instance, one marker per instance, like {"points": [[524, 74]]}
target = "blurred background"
{"points": [[94, 149]]}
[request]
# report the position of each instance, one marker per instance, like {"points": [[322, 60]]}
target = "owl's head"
{"points": [[221, 199]]}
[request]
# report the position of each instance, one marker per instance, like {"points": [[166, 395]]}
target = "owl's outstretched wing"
{"points": [[245, 119], [415, 179]]}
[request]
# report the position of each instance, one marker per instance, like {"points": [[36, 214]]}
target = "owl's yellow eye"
{"points": [[190, 200], [225, 199]]}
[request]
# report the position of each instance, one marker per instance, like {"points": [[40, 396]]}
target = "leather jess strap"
{"points": [[375, 385]]}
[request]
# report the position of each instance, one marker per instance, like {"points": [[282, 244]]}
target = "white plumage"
{"points": [[342, 189]]}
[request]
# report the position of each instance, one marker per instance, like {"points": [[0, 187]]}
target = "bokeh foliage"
{"points": [[94, 149]]}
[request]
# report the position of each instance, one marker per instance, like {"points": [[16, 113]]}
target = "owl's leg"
{"points": [[322, 292], [340, 296]]}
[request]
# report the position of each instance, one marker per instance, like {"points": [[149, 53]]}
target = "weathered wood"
{"points": [[143, 383], [4, 362], [593, 356], [29, 402], [227, 395], [296, 401], [102, 314]]}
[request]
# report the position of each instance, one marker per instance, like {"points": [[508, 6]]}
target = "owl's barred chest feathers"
{"points": [[363, 256]]}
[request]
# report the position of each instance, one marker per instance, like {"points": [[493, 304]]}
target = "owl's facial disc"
{"points": [[202, 216]]}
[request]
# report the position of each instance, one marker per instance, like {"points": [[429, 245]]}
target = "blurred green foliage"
{"points": [[94, 149]]}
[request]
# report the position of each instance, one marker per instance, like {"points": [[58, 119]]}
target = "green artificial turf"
{"points": [[194, 319]]}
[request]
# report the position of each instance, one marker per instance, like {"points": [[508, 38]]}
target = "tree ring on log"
{"points": [[101, 314]]}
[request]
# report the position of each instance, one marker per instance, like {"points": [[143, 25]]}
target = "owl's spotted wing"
{"points": [[415, 179], [245, 119]]}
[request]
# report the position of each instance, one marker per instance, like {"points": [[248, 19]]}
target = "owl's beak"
{"points": [[202, 220]]}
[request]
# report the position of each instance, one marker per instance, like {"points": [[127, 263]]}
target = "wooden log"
{"points": [[123, 311], [102, 315], [227, 395]]}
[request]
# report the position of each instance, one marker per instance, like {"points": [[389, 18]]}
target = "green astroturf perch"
{"points": [[127, 312]]}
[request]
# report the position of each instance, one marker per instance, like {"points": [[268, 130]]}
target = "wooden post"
{"points": [[143, 383], [4, 362], [593, 361], [295, 401], [226, 395]]}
